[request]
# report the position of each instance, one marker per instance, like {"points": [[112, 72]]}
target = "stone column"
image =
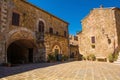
{"points": [[47, 50], [3, 52]]}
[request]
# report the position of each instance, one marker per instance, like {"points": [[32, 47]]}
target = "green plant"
{"points": [[83, 58], [115, 56], [80, 57], [51, 57], [64, 57], [91, 57], [111, 58]]}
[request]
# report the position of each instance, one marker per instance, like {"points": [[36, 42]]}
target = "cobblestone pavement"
{"points": [[77, 70]]}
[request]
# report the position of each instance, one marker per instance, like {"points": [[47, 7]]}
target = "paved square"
{"points": [[77, 70]]}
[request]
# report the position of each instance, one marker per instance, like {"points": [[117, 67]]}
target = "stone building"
{"points": [[74, 49], [29, 34], [101, 32]]}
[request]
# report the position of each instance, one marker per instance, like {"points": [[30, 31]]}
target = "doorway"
{"points": [[20, 52], [31, 55]]}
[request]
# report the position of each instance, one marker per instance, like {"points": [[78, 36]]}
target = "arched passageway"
{"points": [[20, 51]]}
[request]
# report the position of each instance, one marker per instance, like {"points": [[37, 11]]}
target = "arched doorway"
{"points": [[57, 51], [20, 51]]}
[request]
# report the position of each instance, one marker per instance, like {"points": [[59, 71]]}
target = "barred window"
{"points": [[93, 39], [41, 26], [15, 19], [51, 30]]}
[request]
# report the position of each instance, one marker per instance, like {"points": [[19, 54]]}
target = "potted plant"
{"points": [[51, 57], [111, 58], [91, 57]]}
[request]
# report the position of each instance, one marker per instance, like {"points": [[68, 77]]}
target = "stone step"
{"points": [[118, 57], [117, 62]]}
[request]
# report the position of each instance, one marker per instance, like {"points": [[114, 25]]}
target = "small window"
{"points": [[15, 19], [93, 46], [76, 38], [109, 41], [51, 30], [41, 26], [93, 39], [65, 34]]}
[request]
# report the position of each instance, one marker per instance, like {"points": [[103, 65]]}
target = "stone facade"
{"points": [[74, 49], [100, 34], [27, 34]]}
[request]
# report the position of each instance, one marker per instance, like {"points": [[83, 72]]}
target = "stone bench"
{"points": [[104, 59]]}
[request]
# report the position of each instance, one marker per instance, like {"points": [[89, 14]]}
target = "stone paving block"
{"points": [[77, 70]]}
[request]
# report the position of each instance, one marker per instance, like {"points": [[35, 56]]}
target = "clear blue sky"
{"points": [[73, 11]]}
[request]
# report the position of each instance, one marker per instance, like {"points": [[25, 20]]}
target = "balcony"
{"points": [[39, 36]]}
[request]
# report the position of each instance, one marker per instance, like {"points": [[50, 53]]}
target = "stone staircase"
{"points": [[4, 15], [118, 60]]}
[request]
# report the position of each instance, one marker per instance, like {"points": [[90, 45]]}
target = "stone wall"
{"points": [[73, 40], [30, 16], [101, 25], [117, 21], [74, 49], [52, 40]]}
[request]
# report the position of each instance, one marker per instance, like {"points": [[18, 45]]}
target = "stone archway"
{"points": [[21, 46], [57, 51], [19, 33], [20, 51]]}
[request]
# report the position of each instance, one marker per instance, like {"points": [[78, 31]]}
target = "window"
{"points": [[93, 46], [41, 26], [93, 39], [65, 33], [51, 30], [76, 38], [57, 33], [109, 41], [15, 19]]}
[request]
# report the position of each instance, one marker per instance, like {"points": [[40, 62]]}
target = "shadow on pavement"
{"points": [[8, 71]]}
